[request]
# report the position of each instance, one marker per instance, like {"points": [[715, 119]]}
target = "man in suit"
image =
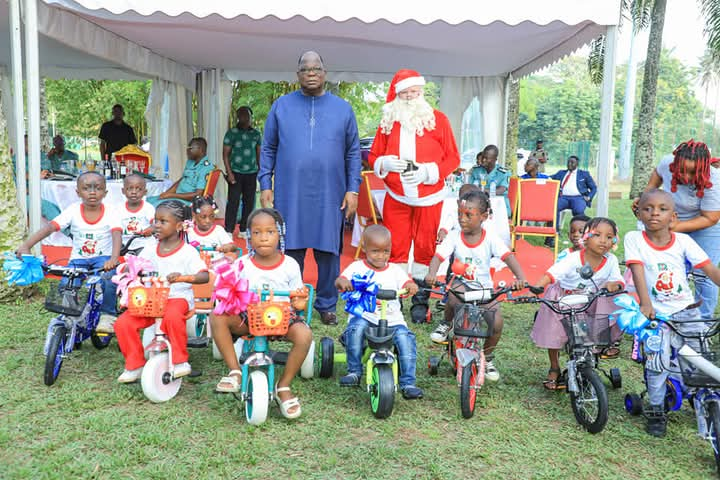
{"points": [[577, 189]]}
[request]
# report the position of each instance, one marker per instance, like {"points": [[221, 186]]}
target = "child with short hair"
{"points": [[96, 238], [658, 259], [205, 232], [266, 265], [376, 243], [474, 247], [172, 258], [598, 238], [575, 233], [136, 215]]}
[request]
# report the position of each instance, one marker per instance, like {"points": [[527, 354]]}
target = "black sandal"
{"points": [[556, 383], [610, 353]]}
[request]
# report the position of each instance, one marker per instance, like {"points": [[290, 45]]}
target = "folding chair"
{"points": [[366, 214], [536, 202], [212, 181], [512, 196]]}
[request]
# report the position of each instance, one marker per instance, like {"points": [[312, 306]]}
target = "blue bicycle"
{"points": [[76, 300]]}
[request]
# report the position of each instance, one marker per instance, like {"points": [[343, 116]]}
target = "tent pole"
{"points": [[605, 160], [19, 108], [506, 105], [32, 79]]}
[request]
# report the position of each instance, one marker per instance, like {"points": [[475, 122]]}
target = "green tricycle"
{"points": [[381, 365]]}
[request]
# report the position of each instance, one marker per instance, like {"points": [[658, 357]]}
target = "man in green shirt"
{"points": [[241, 152], [61, 159]]}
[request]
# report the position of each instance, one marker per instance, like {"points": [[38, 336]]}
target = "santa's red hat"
{"points": [[403, 79]]}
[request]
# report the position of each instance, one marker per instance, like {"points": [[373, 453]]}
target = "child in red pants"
{"points": [[172, 257]]}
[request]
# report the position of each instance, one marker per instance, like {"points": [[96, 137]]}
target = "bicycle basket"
{"points": [[266, 319], [147, 301], [691, 375], [587, 330], [473, 321], [67, 299]]}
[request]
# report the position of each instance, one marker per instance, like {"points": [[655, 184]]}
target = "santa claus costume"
{"points": [[414, 150]]}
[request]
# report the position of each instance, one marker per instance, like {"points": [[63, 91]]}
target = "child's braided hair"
{"points": [[699, 152], [279, 224], [200, 201], [178, 210]]}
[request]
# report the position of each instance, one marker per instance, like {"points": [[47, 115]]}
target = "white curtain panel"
{"points": [[455, 96], [166, 112]]}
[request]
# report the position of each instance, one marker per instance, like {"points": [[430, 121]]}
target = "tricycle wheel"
{"points": [[433, 365], [468, 394], [633, 404], [55, 353], [156, 381], [382, 390], [307, 369], [258, 398], [615, 378], [327, 357]]}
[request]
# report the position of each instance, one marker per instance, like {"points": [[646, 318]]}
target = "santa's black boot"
{"points": [[656, 420]]}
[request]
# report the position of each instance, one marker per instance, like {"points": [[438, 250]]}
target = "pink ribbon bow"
{"points": [[128, 275], [232, 292]]}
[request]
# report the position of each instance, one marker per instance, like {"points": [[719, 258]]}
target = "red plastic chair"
{"points": [[212, 181], [537, 203], [512, 196], [366, 213]]}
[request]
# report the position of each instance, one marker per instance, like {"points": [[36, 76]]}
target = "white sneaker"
{"points": [[491, 373], [440, 334], [130, 376], [181, 369], [105, 324]]}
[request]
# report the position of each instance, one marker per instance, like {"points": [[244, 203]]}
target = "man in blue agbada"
{"points": [[311, 151]]}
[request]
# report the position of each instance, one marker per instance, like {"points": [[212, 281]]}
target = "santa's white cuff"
{"points": [[378, 167], [433, 173]]}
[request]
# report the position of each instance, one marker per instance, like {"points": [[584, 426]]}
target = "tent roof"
{"points": [[359, 41]]}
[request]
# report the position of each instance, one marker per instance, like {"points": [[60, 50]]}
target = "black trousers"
{"points": [[244, 186]]}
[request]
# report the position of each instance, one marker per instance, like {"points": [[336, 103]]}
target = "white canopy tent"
{"points": [[472, 49]]}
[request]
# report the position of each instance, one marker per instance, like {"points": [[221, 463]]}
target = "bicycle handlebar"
{"points": [[554, 304], [69, 271]]}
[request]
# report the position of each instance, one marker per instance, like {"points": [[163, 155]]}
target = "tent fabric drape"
{"points": [[456, 94], [165, 113]]}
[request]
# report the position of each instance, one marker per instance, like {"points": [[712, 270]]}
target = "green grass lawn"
{"points": [[88, 426]]}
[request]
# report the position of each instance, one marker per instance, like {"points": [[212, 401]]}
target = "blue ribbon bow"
{"points": [[22, 272], [631, 320], [363, 298]]}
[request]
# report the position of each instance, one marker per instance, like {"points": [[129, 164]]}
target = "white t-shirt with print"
{"points": [[214, 237], [478, 255], [666, 268], [89, 239], [134, 222], [184, 260], [392, 277], [283, 276], [565, 272]]}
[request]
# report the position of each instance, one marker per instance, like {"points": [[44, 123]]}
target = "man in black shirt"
{"points": [[115, 134]]}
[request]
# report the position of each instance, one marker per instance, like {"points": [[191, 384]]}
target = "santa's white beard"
{"points": [[416, 114]]}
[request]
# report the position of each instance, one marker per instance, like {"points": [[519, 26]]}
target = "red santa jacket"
{"points": [[436, 147]]}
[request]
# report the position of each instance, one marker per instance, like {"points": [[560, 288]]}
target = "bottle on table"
{"points": [[493, 189], [123, 169], [107, 167]]}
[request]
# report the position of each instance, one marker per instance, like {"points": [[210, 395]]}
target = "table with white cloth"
{"points": [[63, 194], [497, 222]]}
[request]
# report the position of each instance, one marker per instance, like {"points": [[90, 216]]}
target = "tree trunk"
{"points": [[13, 232], [644, 155], [45, 140], [513, 124]]}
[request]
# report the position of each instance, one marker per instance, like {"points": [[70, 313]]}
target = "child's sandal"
{"points": [[286, 405], [553, 383], [610, 353], [230, 384]]}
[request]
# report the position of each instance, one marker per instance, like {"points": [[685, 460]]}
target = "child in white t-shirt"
{"points": [[473, 248], [171, 258], [376, 243], [96, 238], [205, 232], [659, 261], [136, 215], [599, 237], [575, 233], [266, 266]]}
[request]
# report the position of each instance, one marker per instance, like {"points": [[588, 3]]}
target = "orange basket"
{"points": [[147, 301], [267, 319]]}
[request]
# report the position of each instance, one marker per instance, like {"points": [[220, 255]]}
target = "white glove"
{"points": [[415, 177], [391, 163]]}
